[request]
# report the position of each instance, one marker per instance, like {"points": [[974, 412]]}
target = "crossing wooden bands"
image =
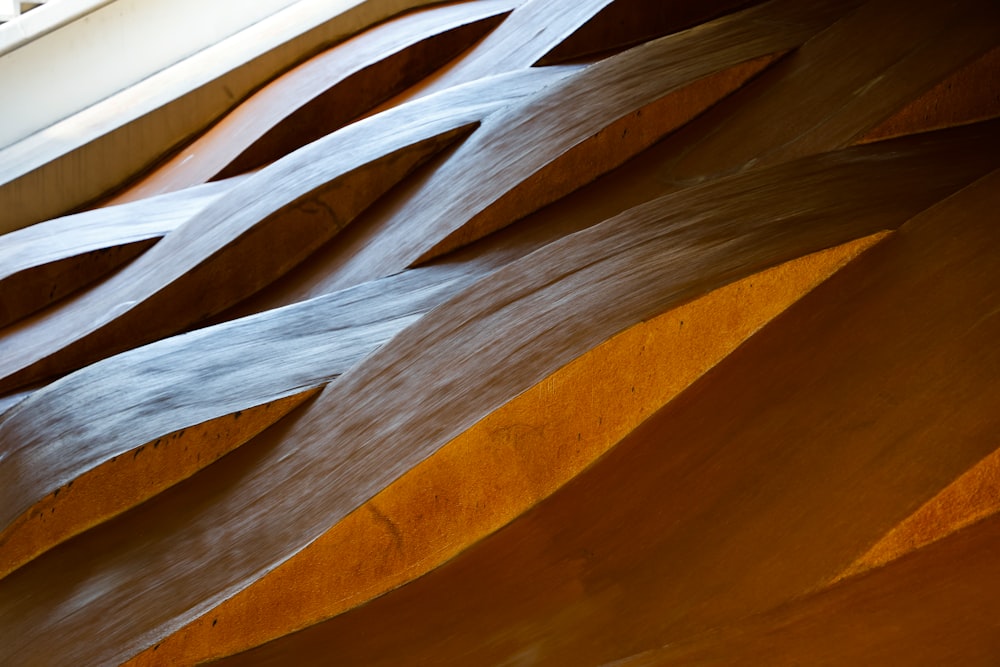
{"points": [[515, 332]]}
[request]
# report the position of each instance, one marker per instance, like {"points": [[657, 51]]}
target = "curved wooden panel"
{"points": [[966, 96], [537, 151], [238, 519], [82, 158], [45, 262], [853, 76], [60, 467], [502, 465], [205, 265], [740, 131], [751, 489], [654, 367], [323, 94], [625, 23], [925, 610]]}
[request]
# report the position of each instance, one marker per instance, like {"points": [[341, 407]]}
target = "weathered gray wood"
{"points": [[269, 222]]}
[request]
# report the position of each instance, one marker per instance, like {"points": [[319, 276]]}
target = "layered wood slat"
{"points": [[529, 332]]}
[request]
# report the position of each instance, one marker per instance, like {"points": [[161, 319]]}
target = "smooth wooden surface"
{"points": [[229, 525], [574, 419], [753, 488], [271, 221], [166, 388], [885, 617], [814, 82], [502, 465], [553, 143], [323, 94], [82, 158], [43, 263]]}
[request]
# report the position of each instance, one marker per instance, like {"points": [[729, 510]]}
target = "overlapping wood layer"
{"points": [[538, 332]]}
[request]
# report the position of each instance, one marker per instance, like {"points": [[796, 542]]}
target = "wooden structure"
{"points": [[520, 332]]}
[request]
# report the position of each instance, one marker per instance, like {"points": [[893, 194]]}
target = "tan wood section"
{"points": [[498, 332]]}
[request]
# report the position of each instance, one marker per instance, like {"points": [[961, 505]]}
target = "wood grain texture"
{"points": [[45, 262], [324, 94], [836, 87], [164, 390], [549, 32], [625, 23], [771, 473], [501, 466], [805, 89], [232, 248], [235, 521], [969, 94], [552, 143]]}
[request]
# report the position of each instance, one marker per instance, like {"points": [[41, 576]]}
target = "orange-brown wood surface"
{"points": [[773, 471], [530, 332]]}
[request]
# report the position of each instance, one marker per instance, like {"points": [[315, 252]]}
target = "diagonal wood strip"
{"points": [[229, 525]]}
